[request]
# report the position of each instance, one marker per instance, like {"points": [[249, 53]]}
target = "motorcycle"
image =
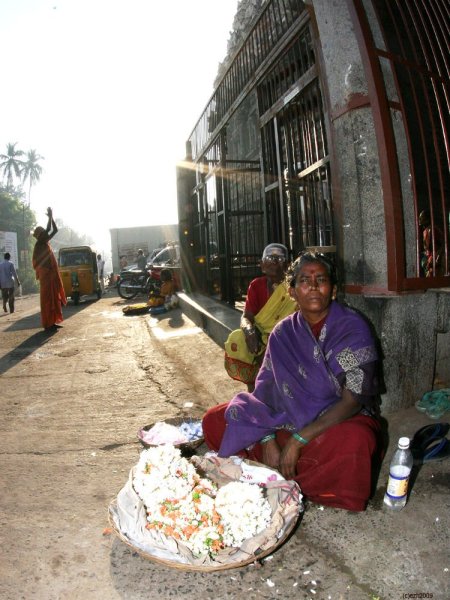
{"points": [[134, 282]]}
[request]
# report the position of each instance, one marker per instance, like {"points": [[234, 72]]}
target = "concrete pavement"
{"points": [[71, 405]]}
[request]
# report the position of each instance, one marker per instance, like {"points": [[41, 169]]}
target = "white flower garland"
{"points": [[189, 508]]}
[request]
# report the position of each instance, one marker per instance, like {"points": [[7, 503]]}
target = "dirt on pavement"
{"points": [[72, 403]]}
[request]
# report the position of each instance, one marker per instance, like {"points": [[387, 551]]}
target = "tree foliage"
{"points": [[31, 170], [11, 164], [15, 167], [17, 217]]}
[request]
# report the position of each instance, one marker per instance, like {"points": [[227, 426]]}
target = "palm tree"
{"points": [[11, 163], [31, 170]]}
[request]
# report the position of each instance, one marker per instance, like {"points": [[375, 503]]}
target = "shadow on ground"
{"points": [[27, 347]]}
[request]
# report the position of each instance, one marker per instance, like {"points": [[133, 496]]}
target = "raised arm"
{"points": [[51, 229]]}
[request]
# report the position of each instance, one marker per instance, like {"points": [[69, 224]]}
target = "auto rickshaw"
{"points": [[79, 274]]}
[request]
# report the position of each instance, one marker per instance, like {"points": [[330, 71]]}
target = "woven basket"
{"points": [[189, 567], [177, 421], [258, 555]]}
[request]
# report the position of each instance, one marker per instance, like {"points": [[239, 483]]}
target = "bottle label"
{"points": [[398, 482]]}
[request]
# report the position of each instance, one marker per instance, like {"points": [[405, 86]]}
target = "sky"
{"points": [[108, 92]]}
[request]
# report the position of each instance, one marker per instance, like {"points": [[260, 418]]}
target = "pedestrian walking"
{"points": [[101, 272], [52, 292], [8, 276]]}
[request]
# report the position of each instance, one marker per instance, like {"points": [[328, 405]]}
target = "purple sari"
{"points": [[302, 376]]}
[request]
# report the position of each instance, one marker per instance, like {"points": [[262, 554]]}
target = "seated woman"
{"points": [[156, 300], [312, 413], [166, 290], [267, 303]]}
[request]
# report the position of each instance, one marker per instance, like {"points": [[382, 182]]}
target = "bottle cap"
{"points": [[403, 443]]}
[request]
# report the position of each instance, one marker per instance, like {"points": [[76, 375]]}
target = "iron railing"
{"points": [[275, 20]]}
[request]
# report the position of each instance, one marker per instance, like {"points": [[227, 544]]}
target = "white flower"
{"points": [[243, 510], [183, 505]]}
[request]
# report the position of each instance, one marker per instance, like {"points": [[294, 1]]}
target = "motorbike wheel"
{"points": [[76, 298], [125, 291]]}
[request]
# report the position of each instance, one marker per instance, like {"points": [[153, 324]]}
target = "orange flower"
{"points": [[189, 530], [216, 545]]}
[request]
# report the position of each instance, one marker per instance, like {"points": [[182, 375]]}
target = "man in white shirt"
{"points": [[7, 276], [101, 271]]}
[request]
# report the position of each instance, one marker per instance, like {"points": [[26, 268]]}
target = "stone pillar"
{"points": [[407, 325]]}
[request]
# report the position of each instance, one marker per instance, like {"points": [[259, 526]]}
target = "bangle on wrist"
{"points": [[267, 438], [300, 439], [248, 330]]}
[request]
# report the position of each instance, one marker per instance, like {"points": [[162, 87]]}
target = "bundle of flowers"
{"points": [[190, 508]]}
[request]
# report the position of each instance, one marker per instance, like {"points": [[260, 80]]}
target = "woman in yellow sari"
{"points": [[268, 301]]}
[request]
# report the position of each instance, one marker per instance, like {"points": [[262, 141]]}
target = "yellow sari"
{"points": [[240, 363]]}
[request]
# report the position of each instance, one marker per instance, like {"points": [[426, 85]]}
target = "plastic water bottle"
{"points": [[399, 471]]}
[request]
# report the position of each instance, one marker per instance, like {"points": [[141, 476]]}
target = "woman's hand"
{"points": [[342, 410], [271, 453], [252, 340], [251, 333], [289, 457]]}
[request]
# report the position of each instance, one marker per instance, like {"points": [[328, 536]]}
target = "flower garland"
{"points": [[183, 505]]}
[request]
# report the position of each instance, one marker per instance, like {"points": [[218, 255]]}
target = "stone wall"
{"points": [[411, 328], [406, 330]]}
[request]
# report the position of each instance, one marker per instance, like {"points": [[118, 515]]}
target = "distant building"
{"points": [[329, 128], [8, 243], [126, 241]]}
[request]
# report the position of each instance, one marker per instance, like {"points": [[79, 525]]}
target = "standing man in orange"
{"points": [[52, 292]]}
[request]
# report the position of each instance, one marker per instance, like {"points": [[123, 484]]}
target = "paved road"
{"points": [[71, 404]]}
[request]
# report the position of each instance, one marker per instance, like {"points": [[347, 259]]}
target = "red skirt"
{"points": [[334, 469], [52, 296]]}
